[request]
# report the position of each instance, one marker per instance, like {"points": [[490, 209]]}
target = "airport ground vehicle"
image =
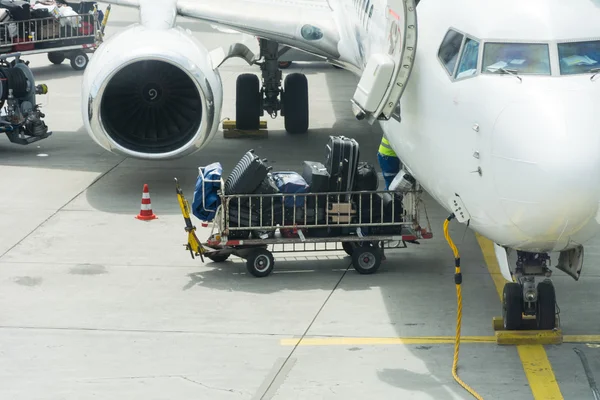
{"points": [[301, 229], [70, 37], [20, 116]]}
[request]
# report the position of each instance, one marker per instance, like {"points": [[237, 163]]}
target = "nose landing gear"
{"points": [[526, 298]]}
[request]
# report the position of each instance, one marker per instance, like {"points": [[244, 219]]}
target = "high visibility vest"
{"points": [[386, 149]]}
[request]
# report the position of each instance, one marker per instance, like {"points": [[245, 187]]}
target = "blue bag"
{"points": [[206, 199], [289, 183]]}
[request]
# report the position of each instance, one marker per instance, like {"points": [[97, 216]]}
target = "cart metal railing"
{"points": [[70, 36], [251, 226], [49, 29]]}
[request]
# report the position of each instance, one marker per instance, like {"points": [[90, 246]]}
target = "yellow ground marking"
{"points": [[418, 340], [533, 357]]}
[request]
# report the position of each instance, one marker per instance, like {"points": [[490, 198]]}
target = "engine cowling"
{"points": [[151, 94]]}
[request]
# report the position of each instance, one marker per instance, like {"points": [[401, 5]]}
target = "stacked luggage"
{"points": [[340, 174], [45, 21]]}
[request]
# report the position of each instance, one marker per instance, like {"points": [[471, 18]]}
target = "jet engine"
{"points": [[152, 94]]}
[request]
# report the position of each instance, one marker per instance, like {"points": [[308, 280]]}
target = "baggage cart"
{"points": [[322, 222], [61, 37]]}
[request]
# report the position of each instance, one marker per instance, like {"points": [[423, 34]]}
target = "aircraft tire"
{"points": [[512, 306], [247, 102], [366, 259], [260, 263], [545, 315], [295, 103]]}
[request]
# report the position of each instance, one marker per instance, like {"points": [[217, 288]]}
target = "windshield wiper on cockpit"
{"points": [[512, 72], [596, 71]]}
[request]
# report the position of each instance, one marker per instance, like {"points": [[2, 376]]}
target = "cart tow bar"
{"points": [[193, 245]]}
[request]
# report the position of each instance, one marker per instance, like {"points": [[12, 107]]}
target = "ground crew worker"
{"points": [[388, 161]]}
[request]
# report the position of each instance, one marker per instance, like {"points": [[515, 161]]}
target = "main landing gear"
{"points": [[253, 99], [525, 297]]}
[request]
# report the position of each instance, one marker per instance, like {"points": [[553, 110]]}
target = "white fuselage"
{"points": [[522, 154]]}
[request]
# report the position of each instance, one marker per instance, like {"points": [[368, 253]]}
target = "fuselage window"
{"points": [[579, 57], [519, 58], [448, 53], [468, 59]]}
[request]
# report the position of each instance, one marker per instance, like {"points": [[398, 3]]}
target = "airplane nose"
{"points": [[546, 166]]}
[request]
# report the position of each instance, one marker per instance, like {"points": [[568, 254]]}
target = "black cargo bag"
{"points": [[366, 177], [19, 10]]}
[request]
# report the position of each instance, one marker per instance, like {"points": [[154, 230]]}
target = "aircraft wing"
{"points": [[295, 23]]}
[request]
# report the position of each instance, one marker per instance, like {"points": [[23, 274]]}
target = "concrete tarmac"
{"points": [[96, 304]]}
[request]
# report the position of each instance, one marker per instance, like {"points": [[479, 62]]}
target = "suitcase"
{"points": [[240, 215], [366, 177], [316, 176], [247, 175], [381, 202], [289, 182], [19, 10], [341, 163]]}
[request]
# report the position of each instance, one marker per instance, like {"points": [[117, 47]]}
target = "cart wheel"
{"points": [[56, 57], [260, 263], [79, 61], [348, 247], [366, 259], [218, 257]]}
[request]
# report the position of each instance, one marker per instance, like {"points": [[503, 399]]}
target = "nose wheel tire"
{"points": [[260, 263], [512, 306], [545, 316], [366, 259], [247, 102], [295, 103]]}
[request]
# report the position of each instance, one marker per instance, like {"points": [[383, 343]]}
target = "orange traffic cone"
{"points": [[146, 213]]}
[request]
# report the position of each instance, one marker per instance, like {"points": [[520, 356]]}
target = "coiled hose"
{"points": [[16, 80], [457, 282]]}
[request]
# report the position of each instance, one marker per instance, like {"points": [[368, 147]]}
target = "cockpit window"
{"points": [[468, 59], [449, 49], [519, 58], [579, 57]]}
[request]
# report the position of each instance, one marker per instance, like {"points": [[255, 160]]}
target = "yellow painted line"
{"points": [[539, 372], [581, 339], [355, 341], [536, 365], [374, 341]]}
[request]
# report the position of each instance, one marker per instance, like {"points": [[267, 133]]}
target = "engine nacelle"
{"points": [[152, 94]]}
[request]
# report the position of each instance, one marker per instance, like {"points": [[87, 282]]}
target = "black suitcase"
{"points": [[267, 186], [19, 10], [366, 177], [342, 163], [316, 175], [247, 174]]}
